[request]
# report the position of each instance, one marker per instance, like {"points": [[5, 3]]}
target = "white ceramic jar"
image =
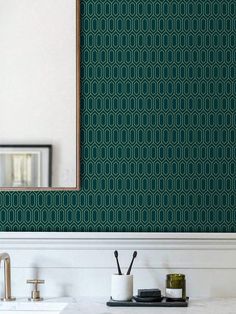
{"points": [[121, 287]]}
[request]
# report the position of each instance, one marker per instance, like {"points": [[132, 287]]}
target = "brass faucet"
{"points": [[7, 276], [35, 294]]}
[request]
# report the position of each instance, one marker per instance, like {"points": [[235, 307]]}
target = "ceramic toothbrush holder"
{"points": [[122, 287]]}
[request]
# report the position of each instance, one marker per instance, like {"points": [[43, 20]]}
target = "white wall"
{"points": [[38, 79], [81, 264]]}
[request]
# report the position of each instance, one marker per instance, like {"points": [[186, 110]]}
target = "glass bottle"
{"points": [[175, 287]]}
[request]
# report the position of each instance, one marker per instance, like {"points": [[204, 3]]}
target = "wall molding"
{"points": [[126, 241], [70, 261]]}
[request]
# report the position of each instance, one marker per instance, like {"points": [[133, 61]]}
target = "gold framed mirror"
{"points": [[39, 95]]}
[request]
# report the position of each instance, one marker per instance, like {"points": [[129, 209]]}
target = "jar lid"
{"points": [[175, 276]]}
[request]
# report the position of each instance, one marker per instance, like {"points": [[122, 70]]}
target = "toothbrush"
{"points": [[131, 264], [118, 265]]}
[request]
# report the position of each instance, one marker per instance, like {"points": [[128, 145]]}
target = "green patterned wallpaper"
{"points": [[158, 123]]}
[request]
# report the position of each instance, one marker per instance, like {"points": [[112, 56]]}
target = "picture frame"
{"points": [[25, 166]]}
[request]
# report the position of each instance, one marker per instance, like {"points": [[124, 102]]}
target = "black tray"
{"points": [[163, 303]]}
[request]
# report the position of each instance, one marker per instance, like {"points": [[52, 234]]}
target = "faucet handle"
{"points": [[35, 294]]}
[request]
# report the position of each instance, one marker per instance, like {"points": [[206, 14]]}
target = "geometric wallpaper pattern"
{"points": [[158, 115]]}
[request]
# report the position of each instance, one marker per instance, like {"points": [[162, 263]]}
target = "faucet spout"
{"points": [[7, 276]]}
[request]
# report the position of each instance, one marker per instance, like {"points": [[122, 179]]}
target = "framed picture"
{"points": [[25, 166]]}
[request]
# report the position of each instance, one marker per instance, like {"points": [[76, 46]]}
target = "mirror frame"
{"points": [[77, 187]]}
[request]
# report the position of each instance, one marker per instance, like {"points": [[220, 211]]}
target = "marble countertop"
{"points": [[53, 305], [197, 306]]}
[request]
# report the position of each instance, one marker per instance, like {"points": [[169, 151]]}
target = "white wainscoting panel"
{"points": [[80, 264]]}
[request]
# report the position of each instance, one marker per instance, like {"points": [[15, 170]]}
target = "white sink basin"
{"points": [[42, 307]]}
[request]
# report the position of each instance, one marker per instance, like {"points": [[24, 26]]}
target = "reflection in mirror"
{"points": [[25, 166], [38, 142]]}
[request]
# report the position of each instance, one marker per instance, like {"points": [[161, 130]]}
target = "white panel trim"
{"points": [[70, 261], [126, 241], [116, 235]]}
